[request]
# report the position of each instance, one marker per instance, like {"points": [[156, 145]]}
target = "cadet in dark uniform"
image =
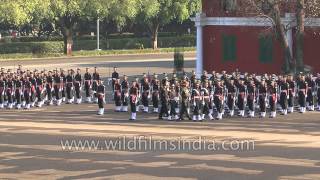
{"points": [[87, 85], [262, 98], [173, 101], [39, 90], [164, 98], [95, 79], [63, 85], [145, 87], [125, 94], [273, 97], [114, 77], [18, 91], [318, 90], [100, 96], [241, 99], [251, 97], [196, 100], [69, 89], [310, 92], [206, 100], [231, 96], [219, 99], [49, 88], [134, 95], [77, 86], [302, 93], [2, 91], [155, 86], [57, 88], [185, 97], [284, 95], [292, 93], [117, 95]]}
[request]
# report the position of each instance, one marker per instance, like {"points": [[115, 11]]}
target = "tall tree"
{"points": [[157, 13]]}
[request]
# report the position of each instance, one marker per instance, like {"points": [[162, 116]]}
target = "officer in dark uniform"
{"points": [[114, 76]]}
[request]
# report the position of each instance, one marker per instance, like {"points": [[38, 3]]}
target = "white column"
{"points": [[199, 61], [98, 34]]}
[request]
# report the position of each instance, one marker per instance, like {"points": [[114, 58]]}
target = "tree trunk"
{"points": [[300, 15], [68, 41], [280, 29], [154, 37]]}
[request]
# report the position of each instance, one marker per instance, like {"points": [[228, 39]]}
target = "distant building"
{"points": [[228, 41]]}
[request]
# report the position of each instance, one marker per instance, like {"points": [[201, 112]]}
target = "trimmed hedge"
{"points": [[116, 44], [32, 47]]}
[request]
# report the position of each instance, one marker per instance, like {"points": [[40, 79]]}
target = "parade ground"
{"points": [[72, 142]]}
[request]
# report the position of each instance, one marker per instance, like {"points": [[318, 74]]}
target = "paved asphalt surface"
{"points": [[33, 143]]}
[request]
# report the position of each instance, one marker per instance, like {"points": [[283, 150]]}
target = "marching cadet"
{"points": [[173, 101], [114, 77], [134, 95], [273, 97], [27, 92], [292, 93], [231, 96], [251, 96], [262, 97], [174, 79], [33, 82], [284, 94], [69, 87], [155, 86], [63, 85], [193, 79], [145, 88], [311, 92], [57, 88], [241, 97], [318, 90], [95, 79], [125, 94], [185, 97], [302, 93], [219, 99], [49, 88], [196, 99], [77, 86], [2, 91], [204, 77], [9, 92], [206, 101], [87, 85], [164, 98], [39, 89], [18, 91], [117, 94], [100, 96]]}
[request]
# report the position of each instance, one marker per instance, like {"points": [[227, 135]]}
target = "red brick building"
{"points": [[226, 40]]}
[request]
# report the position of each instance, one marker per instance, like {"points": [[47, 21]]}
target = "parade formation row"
{"points": [[213, 96]]}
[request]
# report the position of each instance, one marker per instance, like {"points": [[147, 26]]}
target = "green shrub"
{"points": [[32, 47]]}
